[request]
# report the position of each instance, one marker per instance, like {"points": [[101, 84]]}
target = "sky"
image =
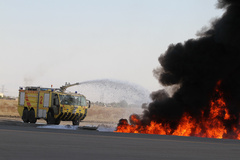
{"points": [[48, 43]]}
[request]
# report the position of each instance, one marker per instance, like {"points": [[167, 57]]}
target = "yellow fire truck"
{"points": [[52, 104]]}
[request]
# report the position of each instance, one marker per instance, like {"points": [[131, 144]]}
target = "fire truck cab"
{"points": [[51, 104]]}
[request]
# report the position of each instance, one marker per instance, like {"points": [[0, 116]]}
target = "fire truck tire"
{"points": [[32, 118], [25, 116], [76, 121], [50, 118], [57, 121]]}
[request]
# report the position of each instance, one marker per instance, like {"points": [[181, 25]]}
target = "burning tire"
{"points": [[31, 115], [25, 116], [123, 122]]}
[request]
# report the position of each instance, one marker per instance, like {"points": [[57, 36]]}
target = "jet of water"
{"points": [[111, 90]]}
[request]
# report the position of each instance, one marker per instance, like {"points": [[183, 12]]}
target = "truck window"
{"points": [[67, 99], [83, 101], [72, 100], [77, 100]]}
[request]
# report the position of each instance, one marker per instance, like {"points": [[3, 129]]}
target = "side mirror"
{"points": [[89, 103]]}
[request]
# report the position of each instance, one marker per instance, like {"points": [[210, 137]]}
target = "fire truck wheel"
{"points": [[76, 122], [50, 118], [25, 116], [57, 121], [32, 118]]}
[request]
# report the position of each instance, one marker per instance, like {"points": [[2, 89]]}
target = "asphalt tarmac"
{"points": [[20, 141]]}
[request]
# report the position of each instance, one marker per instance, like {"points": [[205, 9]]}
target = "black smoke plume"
{"points": [[196, 66]]}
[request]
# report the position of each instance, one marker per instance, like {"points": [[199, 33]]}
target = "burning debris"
{"points": [[207, 73], [211, 125]]}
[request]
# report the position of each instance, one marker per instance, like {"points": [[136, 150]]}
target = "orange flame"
{"points": [[211, 126]]}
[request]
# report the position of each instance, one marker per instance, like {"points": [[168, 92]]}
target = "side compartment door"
{"points": [[21, 102], [44, 98], [21, 98]]}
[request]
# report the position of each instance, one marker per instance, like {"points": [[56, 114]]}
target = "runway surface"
{"points": [[26, 141]]}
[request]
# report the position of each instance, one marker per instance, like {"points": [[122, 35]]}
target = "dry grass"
{"points": [[109, 114], [95, 113], [8, 108]]}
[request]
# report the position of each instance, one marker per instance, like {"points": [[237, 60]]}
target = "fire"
{"points": [[212, 126]]}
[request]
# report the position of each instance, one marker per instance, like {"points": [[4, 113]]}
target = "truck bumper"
{"points": [[68, 116]]}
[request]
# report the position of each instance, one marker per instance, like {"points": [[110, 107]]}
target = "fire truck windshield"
{"points": [[72, 100]]}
